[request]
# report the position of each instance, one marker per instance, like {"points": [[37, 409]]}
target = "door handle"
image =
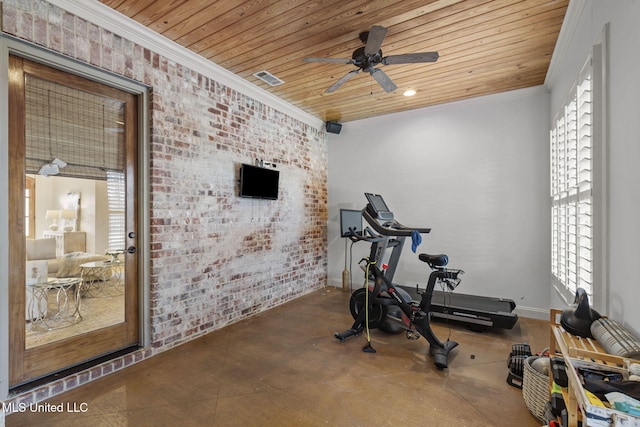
{"points": [[131, 249]]}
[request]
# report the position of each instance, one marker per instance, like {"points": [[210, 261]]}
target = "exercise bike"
{"points": [[384, 305], [476, 311]]}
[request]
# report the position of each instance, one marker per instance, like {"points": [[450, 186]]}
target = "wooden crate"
{"points": [[581, 352]]}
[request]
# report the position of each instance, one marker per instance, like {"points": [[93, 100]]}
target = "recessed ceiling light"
{"points": [[409, 92]]}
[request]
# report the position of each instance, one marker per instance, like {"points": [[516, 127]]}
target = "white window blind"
{"points": [[572, 234], [116, 195]]}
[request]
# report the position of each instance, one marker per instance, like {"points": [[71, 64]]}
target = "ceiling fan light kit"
{"points": [[366, 58]]}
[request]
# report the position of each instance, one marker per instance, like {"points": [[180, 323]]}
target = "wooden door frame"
{"points": [[11, 45]]}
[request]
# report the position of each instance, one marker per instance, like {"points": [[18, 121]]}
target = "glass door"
{"points": [[73, 260]]}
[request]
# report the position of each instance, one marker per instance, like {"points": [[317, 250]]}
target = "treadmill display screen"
{"points": [[377, 203]]}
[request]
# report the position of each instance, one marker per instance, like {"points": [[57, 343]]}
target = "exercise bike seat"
{"points": [[434, 261]]}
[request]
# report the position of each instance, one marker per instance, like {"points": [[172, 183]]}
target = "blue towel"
{"points": [[416, 239]]}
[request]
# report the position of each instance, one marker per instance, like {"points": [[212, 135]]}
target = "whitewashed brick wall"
{"points": [[215, 258]]}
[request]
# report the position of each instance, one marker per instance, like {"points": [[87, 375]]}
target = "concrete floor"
{"points": [[284, 368]]}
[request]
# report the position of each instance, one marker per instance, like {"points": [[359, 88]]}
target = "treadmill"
{"points": [[478, 312]]}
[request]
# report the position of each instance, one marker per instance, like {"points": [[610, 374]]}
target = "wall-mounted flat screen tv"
{"points": [[258, 182]]}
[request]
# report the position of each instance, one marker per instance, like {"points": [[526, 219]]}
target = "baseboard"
{"points": [[532, 312], [521, 311]]}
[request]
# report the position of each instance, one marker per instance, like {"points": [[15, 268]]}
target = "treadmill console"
{"points": [[377, 207]]}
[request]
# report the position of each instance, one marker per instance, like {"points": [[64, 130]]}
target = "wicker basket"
{"points": [[535, 389]]}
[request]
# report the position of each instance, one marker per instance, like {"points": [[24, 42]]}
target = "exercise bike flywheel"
{"points": [[357, 304]]}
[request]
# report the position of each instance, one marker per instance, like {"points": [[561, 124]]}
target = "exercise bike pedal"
{"points": [[412, 335]]}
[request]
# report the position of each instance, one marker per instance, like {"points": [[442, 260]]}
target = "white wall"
{"points": [[623, 134], [51, 193], [475, 171]]}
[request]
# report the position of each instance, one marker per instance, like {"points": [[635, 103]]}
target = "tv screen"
{"points": [[350, 218], [259, 183]]}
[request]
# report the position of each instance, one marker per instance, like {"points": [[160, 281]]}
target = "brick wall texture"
{"points": [[215, 258]]}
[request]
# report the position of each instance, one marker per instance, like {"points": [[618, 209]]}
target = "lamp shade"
{"points": [[52, 214], [67, 214]]}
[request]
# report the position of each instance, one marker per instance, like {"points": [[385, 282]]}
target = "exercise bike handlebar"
{"points": [[393, 227], [367, 235]]}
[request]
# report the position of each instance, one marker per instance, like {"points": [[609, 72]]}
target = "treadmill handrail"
{"points": [[397, 229]]}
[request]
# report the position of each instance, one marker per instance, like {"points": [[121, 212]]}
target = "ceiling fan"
{"points": [[370, 55]]}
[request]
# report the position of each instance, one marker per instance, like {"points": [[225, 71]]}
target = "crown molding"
{"points": [[103, 16], [571, 18], [478, 100]]}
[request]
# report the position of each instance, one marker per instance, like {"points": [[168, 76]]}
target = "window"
{"points": [[30, 208], [574, 211], [116, 200]]}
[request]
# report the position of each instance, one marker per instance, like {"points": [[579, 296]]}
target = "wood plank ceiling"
{"points": [[485, 47]]}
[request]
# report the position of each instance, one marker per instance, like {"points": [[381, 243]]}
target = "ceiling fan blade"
{"points": [[381, 77], [374, 39], [411, 58], [333, 60], [342, 80]]}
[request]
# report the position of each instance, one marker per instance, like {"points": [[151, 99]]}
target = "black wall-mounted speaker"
{"points": [[333, 127]]}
